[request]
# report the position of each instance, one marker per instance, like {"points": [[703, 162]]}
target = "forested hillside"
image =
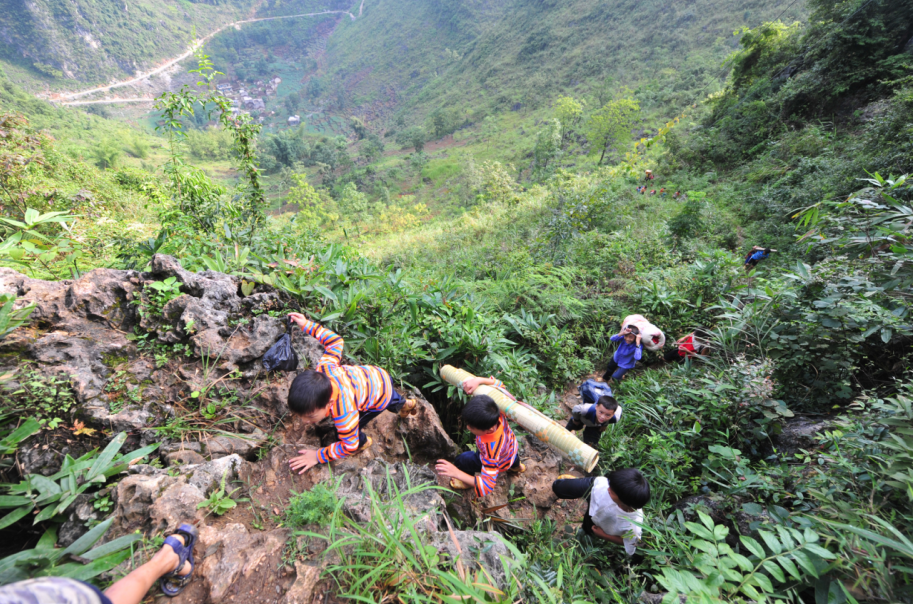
{"points": [[493, 186], [57, 42]]}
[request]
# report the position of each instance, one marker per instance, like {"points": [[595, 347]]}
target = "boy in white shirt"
{"points": [[615, 506]]}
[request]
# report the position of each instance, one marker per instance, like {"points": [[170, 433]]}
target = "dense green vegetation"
{"points": [[456, 255], [55, 42]]}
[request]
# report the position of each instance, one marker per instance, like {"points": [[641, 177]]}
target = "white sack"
{"points": [[651, 337]]}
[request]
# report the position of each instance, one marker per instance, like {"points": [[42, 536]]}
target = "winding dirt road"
{"points": [[67, 98]]}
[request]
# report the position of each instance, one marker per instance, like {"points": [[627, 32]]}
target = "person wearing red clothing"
{"points": [[687, 347], [496, 445], [352, 395]]}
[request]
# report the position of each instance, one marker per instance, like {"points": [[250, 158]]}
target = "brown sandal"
{"points": [[518, 469], [459, 485], [410, 407]]}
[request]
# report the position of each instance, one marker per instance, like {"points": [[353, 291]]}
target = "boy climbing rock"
{"points": [[614, 504], [352, 395], [496, 445]]}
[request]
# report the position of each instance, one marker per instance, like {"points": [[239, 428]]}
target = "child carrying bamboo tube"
{"points": [[496, 445]]}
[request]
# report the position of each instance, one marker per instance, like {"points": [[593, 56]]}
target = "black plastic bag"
{"points": [[281, 355], [592, 390]]}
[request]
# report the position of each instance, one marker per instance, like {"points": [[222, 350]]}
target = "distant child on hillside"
{"points": [[755, 255], [594, 418], [626, 355], [687, 347], [615, 506], [496, 445], [352, 395]]}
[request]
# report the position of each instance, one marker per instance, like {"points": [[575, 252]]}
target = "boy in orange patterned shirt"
{"points": [[352, 395], [496, 446]]}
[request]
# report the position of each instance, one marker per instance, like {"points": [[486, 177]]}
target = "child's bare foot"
{"points": [[177, 559], [169, 559]]}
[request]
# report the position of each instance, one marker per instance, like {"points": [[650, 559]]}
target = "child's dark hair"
{"points": [[631, 487], [309, 392], [635, 331], [701, 332], [767, 250], [608, 402], [481, 412]]}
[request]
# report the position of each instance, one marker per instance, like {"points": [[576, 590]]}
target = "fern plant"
{"points": [[714, 572]]}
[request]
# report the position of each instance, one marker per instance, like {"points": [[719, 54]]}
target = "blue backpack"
{"points": [[592, 390]]}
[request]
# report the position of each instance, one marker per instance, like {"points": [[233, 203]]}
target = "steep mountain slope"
{"points": [[522, 53], [94, 40]]}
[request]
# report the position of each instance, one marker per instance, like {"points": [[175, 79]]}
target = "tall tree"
{"points": [[568, 112], [610, 124]]}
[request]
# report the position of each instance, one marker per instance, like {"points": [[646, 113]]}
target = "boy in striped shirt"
{"points": [[496, 445], [352, 395]]}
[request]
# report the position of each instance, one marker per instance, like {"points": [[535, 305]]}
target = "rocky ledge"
{"points": [[134, 368]]}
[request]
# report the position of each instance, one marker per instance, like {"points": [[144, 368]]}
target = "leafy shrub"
{"points": [[50, 497], [11, 317], [156, 295], [49, 398], [315, 506], [220, 501]]}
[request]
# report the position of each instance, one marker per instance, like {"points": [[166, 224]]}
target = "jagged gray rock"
{"points": [[208, 476], [383, 479], [799, 433], [81, 513], [233, 553]]}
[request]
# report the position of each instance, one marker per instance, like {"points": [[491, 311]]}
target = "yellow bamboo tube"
{"points": [[531, 420]]}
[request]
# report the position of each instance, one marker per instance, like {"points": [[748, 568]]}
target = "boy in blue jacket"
{"points": [[626, 355], [755, 255]]}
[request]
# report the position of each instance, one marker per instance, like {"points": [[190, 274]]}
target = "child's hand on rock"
{"points": [[446, 469], [305, 461]]}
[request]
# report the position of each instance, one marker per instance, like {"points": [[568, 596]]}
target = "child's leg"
{"points": [[587, 525], [618, 374], [396, 402], [365, 418], [611, 368], [469, 462], [592, 436], [672, 356], [573, 426], [400, 405], [572, 488], [132, 588]]}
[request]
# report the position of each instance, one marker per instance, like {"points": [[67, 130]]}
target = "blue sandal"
{"points": [[172, 583]]}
